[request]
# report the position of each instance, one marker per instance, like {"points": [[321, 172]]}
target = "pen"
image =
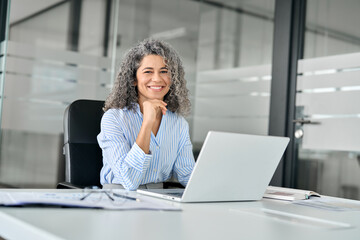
{"points": [[126, 197]]}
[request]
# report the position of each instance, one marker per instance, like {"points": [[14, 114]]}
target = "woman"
{"points": [[144, 137]]}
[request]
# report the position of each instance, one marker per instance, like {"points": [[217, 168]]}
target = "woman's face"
{"points": [[153, 78]]}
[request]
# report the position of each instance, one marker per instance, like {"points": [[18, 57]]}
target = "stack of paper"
{"points": [[288, 194]]}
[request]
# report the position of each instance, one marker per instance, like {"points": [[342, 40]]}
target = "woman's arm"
{"points": [[128, 163], [151, 109], [184, 162]]}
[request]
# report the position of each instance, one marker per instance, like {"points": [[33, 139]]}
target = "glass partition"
{"points": [[3, 60], [234, 52], [328, 92], [42, 78], [3, 56]]}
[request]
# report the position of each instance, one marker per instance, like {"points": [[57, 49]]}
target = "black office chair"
{"points": [[83, 156]]}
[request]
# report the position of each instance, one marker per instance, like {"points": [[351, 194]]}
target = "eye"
{"points": [[147, 72], [164, 71]]}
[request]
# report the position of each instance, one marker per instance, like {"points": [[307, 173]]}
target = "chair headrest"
{"points": [[82, 121]]}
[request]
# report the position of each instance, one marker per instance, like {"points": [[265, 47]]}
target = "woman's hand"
{"points": [[152, 109]]}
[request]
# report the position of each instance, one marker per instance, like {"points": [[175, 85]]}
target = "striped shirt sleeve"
{"points": [[128, 163], [184, 162]]}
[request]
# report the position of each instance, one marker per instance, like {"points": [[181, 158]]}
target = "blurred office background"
{"points": [[54, 52]]}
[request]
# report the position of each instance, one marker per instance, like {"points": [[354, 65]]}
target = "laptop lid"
{"points": [[234, 167]]}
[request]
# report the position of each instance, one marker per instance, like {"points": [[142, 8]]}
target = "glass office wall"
{"points": [[4, 32], [49, 64], [328, 93], [71, 49], [233, 77]]}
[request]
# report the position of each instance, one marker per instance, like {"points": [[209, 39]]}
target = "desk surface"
{"points": [[266, 219]]}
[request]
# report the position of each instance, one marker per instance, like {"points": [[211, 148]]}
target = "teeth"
{"points": [[156, 88]]}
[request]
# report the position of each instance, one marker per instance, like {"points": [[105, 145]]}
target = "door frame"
{"points": [[288, 44]]}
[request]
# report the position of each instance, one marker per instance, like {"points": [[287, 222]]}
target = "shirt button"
{"points": [[155, 170], [157, 147]]}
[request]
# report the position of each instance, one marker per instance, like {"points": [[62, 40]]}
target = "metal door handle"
{"points": [[305, 121]]}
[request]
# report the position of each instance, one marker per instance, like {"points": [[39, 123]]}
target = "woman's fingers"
{"points": [[163, 109], [162, 105], [152, 107]]}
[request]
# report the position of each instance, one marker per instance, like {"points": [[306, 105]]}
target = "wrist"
{"points": [[147, 124]]}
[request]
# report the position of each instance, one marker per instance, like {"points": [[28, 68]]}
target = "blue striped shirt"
{"points": [[126, 163]]}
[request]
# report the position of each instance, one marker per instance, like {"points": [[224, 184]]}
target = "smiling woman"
{"points": [[153, 80], [153, 83], [144, 136]]}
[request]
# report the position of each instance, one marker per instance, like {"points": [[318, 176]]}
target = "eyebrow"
{"points": [[153, 68]]}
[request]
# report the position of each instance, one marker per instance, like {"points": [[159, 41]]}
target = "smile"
{"points": [[156, 88]]}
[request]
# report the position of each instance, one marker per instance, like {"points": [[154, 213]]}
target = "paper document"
{"points": [[288, 194], [118, 200], [331, 203]]}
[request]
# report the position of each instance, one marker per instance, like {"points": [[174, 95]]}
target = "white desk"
{"points": [[221, 221]]}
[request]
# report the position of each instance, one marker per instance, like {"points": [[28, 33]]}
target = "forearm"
{"points": [[152, 111], [144, 136]]}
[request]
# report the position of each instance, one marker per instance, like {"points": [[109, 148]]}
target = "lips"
{"points": [[156, 88]]}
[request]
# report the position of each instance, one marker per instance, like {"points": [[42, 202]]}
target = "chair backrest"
{"points": [[83, 156]]}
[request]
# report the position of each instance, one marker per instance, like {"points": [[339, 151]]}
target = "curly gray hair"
{"points": [[124, 93]]}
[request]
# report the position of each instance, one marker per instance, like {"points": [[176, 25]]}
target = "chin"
{"points": [[159, 98]]}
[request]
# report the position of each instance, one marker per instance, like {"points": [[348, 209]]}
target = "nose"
{"points": [[156, 77]]}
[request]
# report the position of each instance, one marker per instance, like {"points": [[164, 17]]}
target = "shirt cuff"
{"points": [[137, 158]]}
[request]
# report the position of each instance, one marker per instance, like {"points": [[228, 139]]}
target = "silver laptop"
{"points": [[230, 167]]}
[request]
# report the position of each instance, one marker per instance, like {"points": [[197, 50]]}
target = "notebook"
{"points": [[230, 167]]}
